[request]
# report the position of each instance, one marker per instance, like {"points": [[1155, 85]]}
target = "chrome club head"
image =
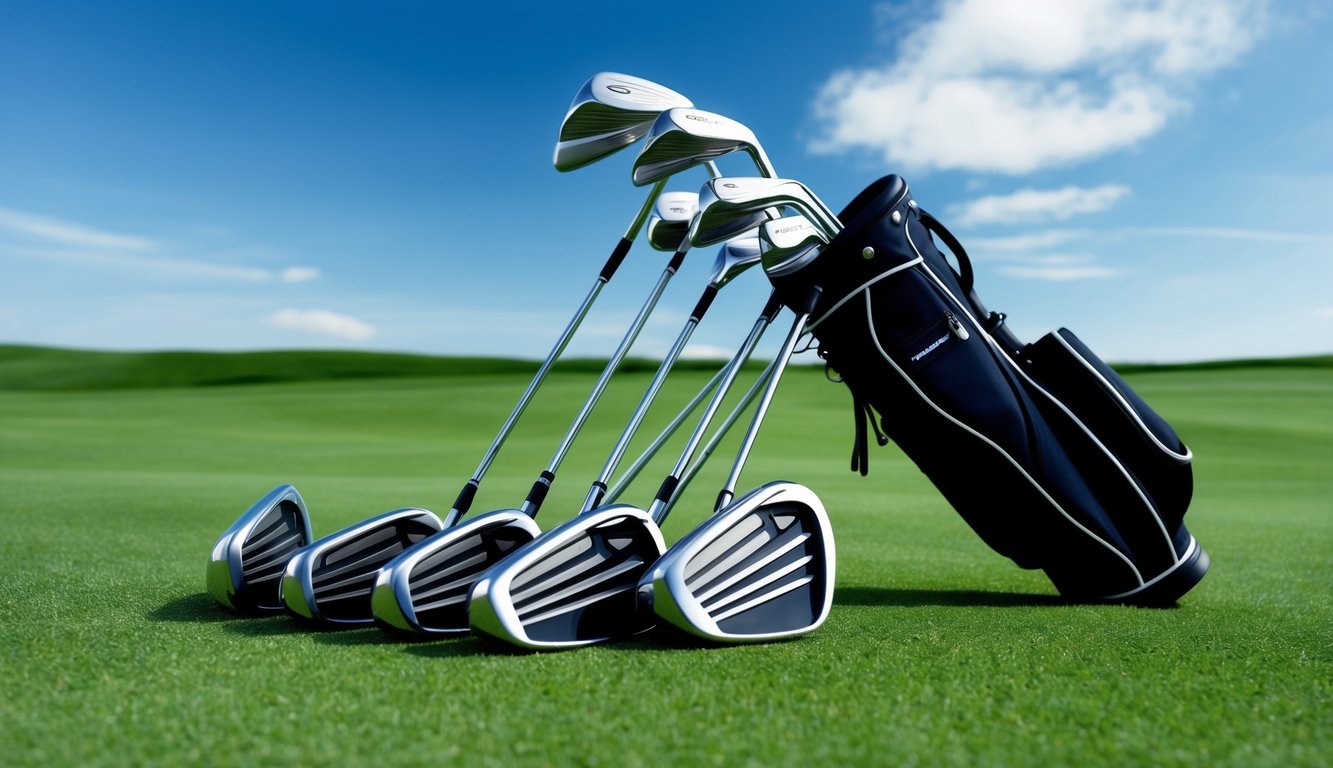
{"points": [[424, 590], [723, 200], [610, 112], [684, 137], [789, 243], [734, 257], [246, 565], [329, 582], [760, 569], [670, 220], [573, 586]]}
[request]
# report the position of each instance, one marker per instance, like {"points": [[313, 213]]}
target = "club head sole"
{"points": [[246, 565], [329, 582], [424, 590]]}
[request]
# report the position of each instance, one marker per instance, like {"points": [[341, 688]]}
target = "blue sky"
{"points": [[1156, 176]]}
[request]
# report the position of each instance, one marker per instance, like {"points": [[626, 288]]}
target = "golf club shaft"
{"points": [[543, 483], [668, 487], [630, 474], [727, 424], [469, 491], [780, 363], [598, 489]]}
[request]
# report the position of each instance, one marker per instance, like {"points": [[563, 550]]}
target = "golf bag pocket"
{"points": [[1138, 437]]}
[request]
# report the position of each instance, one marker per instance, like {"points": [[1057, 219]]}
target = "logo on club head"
{"points": [[677, 209], [620, 89], [730, 185], [792, 228], [702, 119]]}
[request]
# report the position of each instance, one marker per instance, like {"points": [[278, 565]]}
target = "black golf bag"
{"points": [[1042, 448]]}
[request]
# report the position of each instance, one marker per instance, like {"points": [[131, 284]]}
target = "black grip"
{"points": [[705, 301], [617, 256], [668, 488], [677, 260], [772, 308], [464, 501], [539, 489]]}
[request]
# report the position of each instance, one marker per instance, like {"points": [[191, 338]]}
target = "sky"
{"points": [[1156, 176]]}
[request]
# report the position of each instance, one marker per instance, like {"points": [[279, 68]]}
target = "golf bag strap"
{"points": [[966, 278]]}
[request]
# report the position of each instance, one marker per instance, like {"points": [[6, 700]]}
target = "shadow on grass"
{"points": [[916, 598], [199, 608]]}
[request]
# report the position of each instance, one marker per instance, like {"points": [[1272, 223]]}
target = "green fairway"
{"points": [[938, 651]]}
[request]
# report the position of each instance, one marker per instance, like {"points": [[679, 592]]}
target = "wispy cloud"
{"points": [[1036, 205], [321, 322], [45, 238], [1025, 242], [1001, 86], [1323, 313], [68, 233], [1057, 273]]}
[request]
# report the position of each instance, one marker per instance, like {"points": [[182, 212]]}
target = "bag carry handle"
{"points": [[964, 271]]}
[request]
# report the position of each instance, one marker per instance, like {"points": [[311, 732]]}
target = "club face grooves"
{"points": [[762, 569], [424, 591], [574, 586], [330, 581], [246, 566]]}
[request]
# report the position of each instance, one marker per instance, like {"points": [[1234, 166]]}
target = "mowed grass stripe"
{"points": [[937, 651]]}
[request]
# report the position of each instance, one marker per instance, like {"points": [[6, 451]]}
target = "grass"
{"points": [[937, 652]]}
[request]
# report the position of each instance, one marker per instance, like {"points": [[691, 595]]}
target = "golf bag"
{"points": [[1042, 448]]}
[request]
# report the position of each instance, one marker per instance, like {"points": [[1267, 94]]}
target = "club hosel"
{"points": [[595, 495], [772, 308], [667, 489], [538, 493], [724, 498], [463, 503]]}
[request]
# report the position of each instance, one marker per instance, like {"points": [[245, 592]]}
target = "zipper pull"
{"points": [[956, 326]]}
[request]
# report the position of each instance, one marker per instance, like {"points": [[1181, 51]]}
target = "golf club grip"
{"points": [[464, 501], [705, 301], [539, 490], [617, 258]]}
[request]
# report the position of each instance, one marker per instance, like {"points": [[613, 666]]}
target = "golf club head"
{"points": [[670, 221], [572, 586], [424, 590], [734, 257], [245, 569], [610, 112], [329, 582], [684, 137], [760, 569], [789, 243], [722, 200]]}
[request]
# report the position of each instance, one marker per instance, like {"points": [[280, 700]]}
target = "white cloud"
{"points": [[1012, 87], [67, 233], [706, 352], [299, 274], [1032, 205], [321, 322], [1058, 272], [1024, 242], [1323, 313]]}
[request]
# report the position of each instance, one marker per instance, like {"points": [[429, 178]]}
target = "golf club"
{"points": [[424, 591], [245, 569], [575, 585]]}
